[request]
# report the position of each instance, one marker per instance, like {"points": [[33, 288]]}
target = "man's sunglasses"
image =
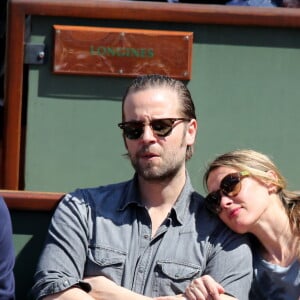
{"points": [[133, 130], [230, 186]]}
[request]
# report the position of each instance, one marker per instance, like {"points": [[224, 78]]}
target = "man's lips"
{"points": [[148, 155]]}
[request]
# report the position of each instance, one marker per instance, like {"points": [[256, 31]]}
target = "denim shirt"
{"points": [[107, 231]]}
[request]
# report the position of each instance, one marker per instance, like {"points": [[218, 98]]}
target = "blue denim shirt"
{"points": [[107, 231]]}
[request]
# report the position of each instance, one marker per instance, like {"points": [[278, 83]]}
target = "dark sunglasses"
{"points": [[230, 186], [133, 130]]}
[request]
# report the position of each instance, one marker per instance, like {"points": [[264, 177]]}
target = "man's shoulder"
{"points": [[208, 222], [99, 194], [197, 196], [104, 188]]}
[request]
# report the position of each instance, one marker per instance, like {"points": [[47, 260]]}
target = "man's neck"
{"points": [[162, 192]]}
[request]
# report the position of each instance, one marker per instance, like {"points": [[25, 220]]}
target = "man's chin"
{"points": [[156, 176], [150, 175]]}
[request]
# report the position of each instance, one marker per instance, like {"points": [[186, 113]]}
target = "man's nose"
{"points": [[148, 134]]}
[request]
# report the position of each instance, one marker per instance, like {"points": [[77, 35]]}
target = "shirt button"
{"points": [[66, 283], [146, 236]]}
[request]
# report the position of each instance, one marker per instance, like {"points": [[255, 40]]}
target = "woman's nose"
{"points": [[225, 201]]}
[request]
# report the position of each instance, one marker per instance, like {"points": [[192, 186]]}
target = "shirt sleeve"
{"points": [[7, 254], [230, 262], [62, 260]]}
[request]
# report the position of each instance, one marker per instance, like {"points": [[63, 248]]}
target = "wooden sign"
{"points": [[122, 52]]}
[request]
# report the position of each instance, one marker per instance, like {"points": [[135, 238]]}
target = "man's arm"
{"points": [[70, 294], [61, 264], [105, 289], [101, 289]]}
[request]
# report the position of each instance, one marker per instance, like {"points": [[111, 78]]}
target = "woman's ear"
{"points": [[271, 184]]}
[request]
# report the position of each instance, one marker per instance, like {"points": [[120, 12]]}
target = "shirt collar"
{"points": [[178, 212], [131, 195], [183, 201]]}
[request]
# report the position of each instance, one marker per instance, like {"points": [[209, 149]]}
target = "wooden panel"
{"points": [[28, 200], [122, 52]]}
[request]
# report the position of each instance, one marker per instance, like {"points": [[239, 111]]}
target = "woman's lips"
{"points": [[234, 212]]}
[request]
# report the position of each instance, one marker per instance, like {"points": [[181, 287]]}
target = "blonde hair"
{"points": [[258, 165]]}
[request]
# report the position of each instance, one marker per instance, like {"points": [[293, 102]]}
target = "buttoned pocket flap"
{"points": [[107, 257], [179, 271]]}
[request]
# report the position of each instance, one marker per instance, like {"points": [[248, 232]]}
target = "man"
{"points": [[150, 236]]}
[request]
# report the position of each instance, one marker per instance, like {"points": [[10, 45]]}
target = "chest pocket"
{"points": [[173, 277], [105, 261]]}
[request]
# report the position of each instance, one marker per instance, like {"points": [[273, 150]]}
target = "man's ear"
{"points": [[192, 132]]}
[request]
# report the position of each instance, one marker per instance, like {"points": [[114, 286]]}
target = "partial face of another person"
{"points": [[157, 148], [242, 201]]}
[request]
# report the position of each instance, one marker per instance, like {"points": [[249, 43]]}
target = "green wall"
{"points": [[30, 230], [244, 83]]}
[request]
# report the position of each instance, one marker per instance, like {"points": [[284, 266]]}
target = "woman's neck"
{"points": [[278, 243]]}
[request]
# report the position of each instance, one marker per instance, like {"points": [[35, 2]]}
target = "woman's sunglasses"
{"points": [[133, 130], [230, 186]]}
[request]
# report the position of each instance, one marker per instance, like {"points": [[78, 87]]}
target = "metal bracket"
{"points": [[34, 54]]}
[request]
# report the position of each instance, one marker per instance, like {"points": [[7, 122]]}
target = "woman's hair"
{"points": [[257, 164], [145, 82]]}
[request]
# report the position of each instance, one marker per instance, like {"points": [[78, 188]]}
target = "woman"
{"points": [[247, 191], [7, 255]]}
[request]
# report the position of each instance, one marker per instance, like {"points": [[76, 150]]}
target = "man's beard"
{"points": [[165, 171], [161, 173]]}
